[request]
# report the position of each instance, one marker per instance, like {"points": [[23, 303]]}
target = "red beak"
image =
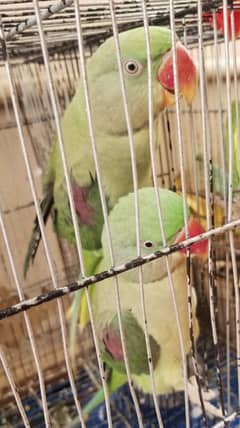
{"points": [[195, 229], [187, 75]]}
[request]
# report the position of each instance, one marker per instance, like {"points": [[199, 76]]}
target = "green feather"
{"points": [[115, 381], [90, 234], [135, 346], [220, 182], [236, 145]]}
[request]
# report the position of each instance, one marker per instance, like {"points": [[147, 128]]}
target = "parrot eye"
{"points": [[132, 67], [148, 244]]}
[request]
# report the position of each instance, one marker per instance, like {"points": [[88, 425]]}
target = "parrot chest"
{"points": [[116, 165]]}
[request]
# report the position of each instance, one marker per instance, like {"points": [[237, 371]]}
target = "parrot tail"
{"points": [[88, 408], [114, 381], [97, 399], [46, 206]]}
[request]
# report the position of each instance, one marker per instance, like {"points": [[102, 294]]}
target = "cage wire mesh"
{"points": [[43, 45]]}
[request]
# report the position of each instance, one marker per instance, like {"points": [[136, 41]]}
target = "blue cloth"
{"points": [[171, 406]]}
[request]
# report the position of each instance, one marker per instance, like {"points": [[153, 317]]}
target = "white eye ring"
{"points": [[148, 244], [132, 67]]}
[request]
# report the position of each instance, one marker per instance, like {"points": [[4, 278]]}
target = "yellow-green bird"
{"points": [[160, 313]]}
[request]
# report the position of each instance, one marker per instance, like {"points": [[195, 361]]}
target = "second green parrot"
{"points": [[166, 355], [220, 178], [160, 314]]}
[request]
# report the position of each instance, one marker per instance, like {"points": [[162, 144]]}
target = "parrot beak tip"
{"points": [[189, 92]]}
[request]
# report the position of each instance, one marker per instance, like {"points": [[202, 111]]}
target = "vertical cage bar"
{"points": [[184, 195], [48, 255], [208, 196], [70, 197], [230, 185], [14, 389], [17, 283], [223, 166]]}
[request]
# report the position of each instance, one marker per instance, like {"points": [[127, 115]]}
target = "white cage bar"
{"points": [[62, 26]]}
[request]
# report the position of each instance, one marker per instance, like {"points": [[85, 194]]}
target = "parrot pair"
{"points": [[111, 137], [208, 16], [113, 150], [160, 314]]}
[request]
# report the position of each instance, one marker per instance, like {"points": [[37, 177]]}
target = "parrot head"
{"points": [[123, 231], [105, 88]]}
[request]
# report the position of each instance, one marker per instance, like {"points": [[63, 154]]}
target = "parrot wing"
{"points": [[112, 354], [111, 346], [90, 219]]}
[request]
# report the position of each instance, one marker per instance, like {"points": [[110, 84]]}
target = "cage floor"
{"points": [[62, 409]]}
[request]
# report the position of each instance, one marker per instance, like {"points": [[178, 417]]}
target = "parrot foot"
{"points": [[206, 395]]}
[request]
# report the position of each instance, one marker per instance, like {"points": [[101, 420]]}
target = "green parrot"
{"points": [[162, 327], [218, 174], [166, 356], [236, 147], [220, 179], [111, 137]]}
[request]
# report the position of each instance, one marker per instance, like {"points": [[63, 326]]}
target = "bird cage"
{"points": [[45, 45]]}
